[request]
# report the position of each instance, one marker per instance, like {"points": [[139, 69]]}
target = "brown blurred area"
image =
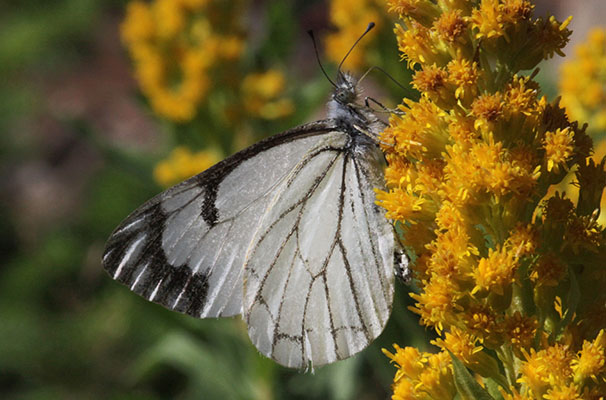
{"points": [[44, 185]]}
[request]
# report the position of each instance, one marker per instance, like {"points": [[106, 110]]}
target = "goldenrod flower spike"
{"points": [[510, 274]]}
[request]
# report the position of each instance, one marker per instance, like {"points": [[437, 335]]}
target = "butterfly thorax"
{"points": [[356, 119]]}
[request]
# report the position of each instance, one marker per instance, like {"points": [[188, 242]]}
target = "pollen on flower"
{"points": [[464, 74], [436, 303], [451, 25], [521, 96], [515, 11], [430, 176], [488, 108], [397, 172], [496, 271], [416, 46], [420, 133], [559, 146], [461, 344], [488, 19], [430, 80], [407, 359], [401, 204]]}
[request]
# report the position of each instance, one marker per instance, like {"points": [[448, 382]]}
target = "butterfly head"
{"points": [[345, 91]]}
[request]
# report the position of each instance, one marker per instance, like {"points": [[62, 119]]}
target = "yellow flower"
{"points": [[520, 330], [421, 375], [464, 75], [175, 47], [421, 10], [139, 23], [182, 164], [351, 18], [437, 303], [402, 204], [558, 146], [450, 26], [583, 82], [476, 157], [488, 109], [488, 19], [591, 360], [261, 95], [568, 392], [462, 345]]}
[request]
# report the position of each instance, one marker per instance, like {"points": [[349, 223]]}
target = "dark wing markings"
{"points": [[157, 278]]}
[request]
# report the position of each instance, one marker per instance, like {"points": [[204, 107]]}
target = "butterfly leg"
{"points": [[368, 100]]}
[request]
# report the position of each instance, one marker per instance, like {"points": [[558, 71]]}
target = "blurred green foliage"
{"points": [[67, 331]]}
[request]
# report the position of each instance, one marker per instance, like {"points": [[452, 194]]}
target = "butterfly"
{"points": [[285, 233]]}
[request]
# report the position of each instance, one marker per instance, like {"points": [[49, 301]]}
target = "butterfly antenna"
{"points": [[387, 74], [313, 39], [368, 28]]}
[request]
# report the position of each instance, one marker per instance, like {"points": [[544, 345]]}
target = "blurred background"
{"points": [[104, 104]]}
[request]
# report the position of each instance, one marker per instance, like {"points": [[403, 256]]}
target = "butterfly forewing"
{"points": [[185, 248], [318, 274], [285, 232]]}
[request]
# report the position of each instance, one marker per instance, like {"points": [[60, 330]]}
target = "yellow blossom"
{"points": [[182, 164], [262, 95], [520, 330], [479, 155], [462, 345], [591, 360], [351, 18], [488, 19], [464, 75], [583, 82], [559, 146], [175, 46], [564, 392]]}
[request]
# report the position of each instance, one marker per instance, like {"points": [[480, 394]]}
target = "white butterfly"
{"points": [[285, 233]]}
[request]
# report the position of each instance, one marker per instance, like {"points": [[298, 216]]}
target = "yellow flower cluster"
{"points": [[583, 83], [182, 164], [350, 18], [176, 46], [510, 279], [261, 94]]}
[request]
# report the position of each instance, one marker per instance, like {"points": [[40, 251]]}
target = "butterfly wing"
{"points": [[185, 248], [319, 271]]}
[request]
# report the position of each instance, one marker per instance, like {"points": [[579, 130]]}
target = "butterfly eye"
{"points": [[345, 95]]}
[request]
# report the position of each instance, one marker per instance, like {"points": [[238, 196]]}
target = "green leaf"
{"points": [[493, 388], [466, 385]]}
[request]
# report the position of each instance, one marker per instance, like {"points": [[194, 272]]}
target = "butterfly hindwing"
{"points": [[319, 270], [185, 248]]}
